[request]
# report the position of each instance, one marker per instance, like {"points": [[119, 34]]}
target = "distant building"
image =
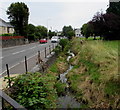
{"points": [[77, 32], [59, 33], [5, 27]]}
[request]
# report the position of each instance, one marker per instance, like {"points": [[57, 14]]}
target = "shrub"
{"points": [[63, 43], [34, 91]]}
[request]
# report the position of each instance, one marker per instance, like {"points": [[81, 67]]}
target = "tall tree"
{"points": [[68, 31], [18, 15], [107, 25], [87, 29], [31, 32], [41, 30], [114, 7]]}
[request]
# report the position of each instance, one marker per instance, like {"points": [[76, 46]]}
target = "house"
{"points": [[77, 32], [5, 27]]}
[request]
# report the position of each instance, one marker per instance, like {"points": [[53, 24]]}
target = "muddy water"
{"points": [[68, 100]]}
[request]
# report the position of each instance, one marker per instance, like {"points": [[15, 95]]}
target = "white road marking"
{"points": [[32, 47], [20, 61], [17, 64], [18, 52], [18, 46]]}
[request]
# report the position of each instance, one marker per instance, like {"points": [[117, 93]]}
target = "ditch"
{"points": [[68, 99]]}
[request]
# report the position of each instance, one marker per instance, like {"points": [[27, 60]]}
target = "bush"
{"points": [[57, 49], [7, 34], [34, 91], [63, 43]]}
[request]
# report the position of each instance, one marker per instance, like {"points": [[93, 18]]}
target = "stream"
{"points": [[68, 100]]}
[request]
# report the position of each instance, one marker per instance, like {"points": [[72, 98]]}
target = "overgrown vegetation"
{"points": [[94, 79], [95, 74], [36, 91]]}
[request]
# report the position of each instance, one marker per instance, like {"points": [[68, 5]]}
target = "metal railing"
{"points": [[11, 101]]}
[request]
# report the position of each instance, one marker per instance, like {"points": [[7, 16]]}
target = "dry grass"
{"points": [[99, 81]]}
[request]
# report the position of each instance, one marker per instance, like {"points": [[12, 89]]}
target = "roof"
{"points": [[4, 24]]}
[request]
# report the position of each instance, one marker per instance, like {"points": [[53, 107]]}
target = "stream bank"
{"points": [[67, 100]]}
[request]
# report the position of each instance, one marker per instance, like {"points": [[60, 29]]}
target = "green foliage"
{"points": [[18, 15], [63, 43], [9, 34], [57, 49], [42, 31], [112, 88], [60, 87], [87, 30], [34, 91], [50, 34], [53, 68], [31, 32], [68, 31], [114, 7]]}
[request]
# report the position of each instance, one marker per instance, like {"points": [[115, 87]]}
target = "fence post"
{"points": [[38, 56], [26, 65], [8, 75], [45, 52], [53, 46], [50, 49], [3, 107]]}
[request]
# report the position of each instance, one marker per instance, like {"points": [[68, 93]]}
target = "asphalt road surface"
{"points": [[13, 55]]}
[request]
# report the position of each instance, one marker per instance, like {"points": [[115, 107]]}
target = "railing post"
{"points": [[53, 46], [26, 65], [50, 49], [3, 107], [8, 75], [45, 52], [38, 56]]}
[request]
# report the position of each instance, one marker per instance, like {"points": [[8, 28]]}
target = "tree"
{"points": [[50, 34], [107, 25], [68, 31], [87, 29], [114, 8], [18, 15], [42, 31], [31, 33]]}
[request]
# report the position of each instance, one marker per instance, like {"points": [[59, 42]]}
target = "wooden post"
{"points": [[8, 75], [45, 52], [26, 65], [50, 49]]}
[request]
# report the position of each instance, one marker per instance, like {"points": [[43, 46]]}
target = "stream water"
{"points": [[68, 100]]}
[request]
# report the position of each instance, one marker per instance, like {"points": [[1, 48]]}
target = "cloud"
{"points": [[76, 14]]}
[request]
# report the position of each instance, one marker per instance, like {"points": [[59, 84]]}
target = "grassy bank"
{"points": [[94, 78]]}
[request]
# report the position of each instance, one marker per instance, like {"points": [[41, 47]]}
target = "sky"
{"points": [[54, 14]]}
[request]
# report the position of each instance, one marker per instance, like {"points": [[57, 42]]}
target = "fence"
{"points": [[47, 51]]}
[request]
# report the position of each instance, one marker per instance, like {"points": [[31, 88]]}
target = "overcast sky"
{"points": [[54, 14]]}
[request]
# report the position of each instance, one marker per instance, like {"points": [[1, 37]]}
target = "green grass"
{"points": [[90, 38], [53, 68], [100, 58], [60, 87], [112, 88]]}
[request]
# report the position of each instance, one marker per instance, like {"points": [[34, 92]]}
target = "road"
{"points": [[13, 55]]}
